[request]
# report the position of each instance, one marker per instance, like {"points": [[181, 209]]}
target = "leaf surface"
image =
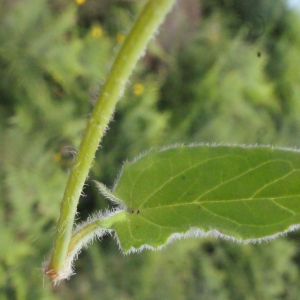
{"points": [[242, 193]]}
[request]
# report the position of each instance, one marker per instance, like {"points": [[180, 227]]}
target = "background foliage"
{"points": [[234, 78]]}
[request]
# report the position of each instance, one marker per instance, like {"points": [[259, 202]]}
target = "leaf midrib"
{"points": [[219, 185]]}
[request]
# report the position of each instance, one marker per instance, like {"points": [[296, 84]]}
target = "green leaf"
{"points": [[246, 194]]}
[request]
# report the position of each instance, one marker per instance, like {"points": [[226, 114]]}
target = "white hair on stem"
{"points": [[83, 235]]}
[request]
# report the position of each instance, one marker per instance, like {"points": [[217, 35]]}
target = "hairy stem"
{"points": [[134, 46], [93, 227]]}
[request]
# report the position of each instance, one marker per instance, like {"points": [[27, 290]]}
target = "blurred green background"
{"points": [[222, 71]]}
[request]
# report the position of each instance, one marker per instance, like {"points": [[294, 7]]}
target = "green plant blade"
{"points": [[241, 193]]}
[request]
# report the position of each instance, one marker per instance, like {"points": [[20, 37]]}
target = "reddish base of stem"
{"points": [[51, 273]]}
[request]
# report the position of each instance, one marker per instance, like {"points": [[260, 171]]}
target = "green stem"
{"points": [[86, 232], [134, 46]]}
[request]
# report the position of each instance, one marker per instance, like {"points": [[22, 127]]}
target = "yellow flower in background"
{"points": [[80, 2], [120, 38], [97, 31], [138, 89], [57, 156]]}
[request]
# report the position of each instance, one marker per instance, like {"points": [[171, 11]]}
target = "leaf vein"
{"points": [[179, 174]]}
